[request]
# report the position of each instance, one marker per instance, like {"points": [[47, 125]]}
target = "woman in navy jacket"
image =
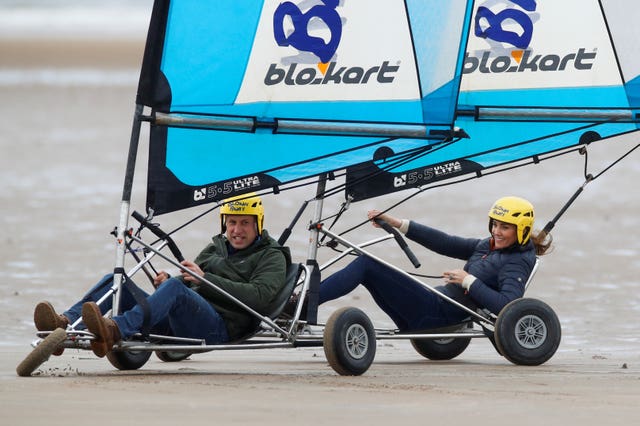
{"points": [[496, 271]]}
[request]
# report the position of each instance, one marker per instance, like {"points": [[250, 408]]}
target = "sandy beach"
{"points": [[297, 386], [67, 107]]}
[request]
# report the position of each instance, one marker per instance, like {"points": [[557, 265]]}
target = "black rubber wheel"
{"points": [[527, 332], [443, 349], [349, 341], [170, 356], [128, 360], [42, 352]]}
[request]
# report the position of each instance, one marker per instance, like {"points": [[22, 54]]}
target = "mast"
{"points": [[312, 262], [118, 271]]}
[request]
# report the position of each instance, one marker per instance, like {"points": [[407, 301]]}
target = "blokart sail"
{"points": [[539, 77], [254, 94]]}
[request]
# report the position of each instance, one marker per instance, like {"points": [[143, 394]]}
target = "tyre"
{"points": [[128, 360], [349, 341], [443, 349], [42, 352], [169, 356], [527, 332]]}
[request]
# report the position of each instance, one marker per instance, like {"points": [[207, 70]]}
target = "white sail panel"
{"points": [[539, 44], [316, 52], [622, 19]]}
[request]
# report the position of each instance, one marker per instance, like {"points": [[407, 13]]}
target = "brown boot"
{"points": [[105, 330], [46, 319]]}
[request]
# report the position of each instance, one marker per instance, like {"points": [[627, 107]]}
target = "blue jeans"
{"points": [[175, 309], [411, 306]]}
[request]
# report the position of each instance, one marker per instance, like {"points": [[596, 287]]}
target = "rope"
{"points": [[588, 178]]}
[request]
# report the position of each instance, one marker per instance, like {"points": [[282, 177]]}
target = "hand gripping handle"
{"points": [[401, 242]]}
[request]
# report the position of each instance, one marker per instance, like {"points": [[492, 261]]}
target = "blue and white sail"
{"points": [[539, 77], [253, 94]]}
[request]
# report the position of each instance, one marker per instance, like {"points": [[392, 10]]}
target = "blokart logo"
{"points": [[491, 26], [436, 172], [322, 15], [215, 191]]}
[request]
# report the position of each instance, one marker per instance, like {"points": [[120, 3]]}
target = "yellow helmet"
{"points": [[516, 211], [246, 204]]}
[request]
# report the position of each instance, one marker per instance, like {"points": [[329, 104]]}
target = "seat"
{"points": [[279, 302], [281, 299]]}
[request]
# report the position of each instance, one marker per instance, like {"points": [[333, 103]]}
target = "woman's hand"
{"points": [[455, 276], [376, 214], [193, 268], [460, 277]]}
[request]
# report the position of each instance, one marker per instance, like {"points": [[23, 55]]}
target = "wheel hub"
{"points": [[357, 341], [531, 331]]}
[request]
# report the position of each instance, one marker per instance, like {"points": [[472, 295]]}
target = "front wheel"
{"points": [[349, 341], [527, 332], [42, 352]]}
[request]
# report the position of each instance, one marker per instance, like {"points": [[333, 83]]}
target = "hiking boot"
{"points": [[46, 319], [105, 330]]}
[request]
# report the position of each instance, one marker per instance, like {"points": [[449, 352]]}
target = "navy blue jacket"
{"points": [[500, 274]]}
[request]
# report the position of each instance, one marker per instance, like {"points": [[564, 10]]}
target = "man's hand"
{"points": [[193, 268], [160, 278]]}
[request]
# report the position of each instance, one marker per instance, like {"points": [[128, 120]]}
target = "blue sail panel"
{"points": [[204, 48]]}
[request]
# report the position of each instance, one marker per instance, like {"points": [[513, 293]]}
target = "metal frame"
{"points": [[472, 313], [275, 333]]}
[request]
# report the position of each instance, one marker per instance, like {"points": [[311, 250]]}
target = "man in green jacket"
{"points": [[242, 260]]}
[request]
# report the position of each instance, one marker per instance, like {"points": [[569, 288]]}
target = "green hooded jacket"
{"points": [[253, 275]]}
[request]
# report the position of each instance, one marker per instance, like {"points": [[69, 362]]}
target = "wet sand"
{"points": [[62, 165], [296, 386]]}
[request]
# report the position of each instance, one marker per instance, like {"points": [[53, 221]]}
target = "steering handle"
{"points": [[401, 242], [155, 229]]}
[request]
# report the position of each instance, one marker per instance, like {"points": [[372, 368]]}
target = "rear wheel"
{"points": [[443, 349], [527, 332], [128, 360], [349, 341], [42, 352]]}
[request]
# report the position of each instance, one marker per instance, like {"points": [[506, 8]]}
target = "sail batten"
{"points": [[208, 122], [306, 127], [548, 114]]}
